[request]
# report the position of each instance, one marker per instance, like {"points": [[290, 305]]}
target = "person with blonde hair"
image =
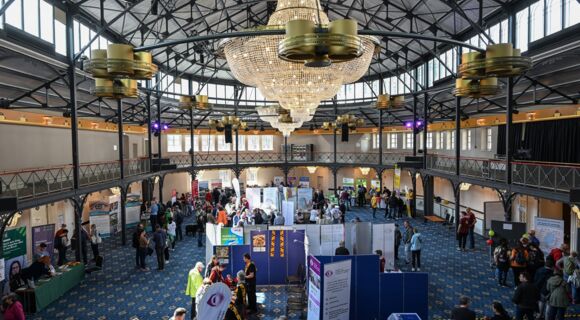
{"points": [[201, 291], [194, 282]]}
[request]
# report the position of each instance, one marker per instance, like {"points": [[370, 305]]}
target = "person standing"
{"points": [[143, 247], [407, 241], [171, 227], [375, 200], [201, 221], [471, 220], [398, 238], [12, 308], [179, 314], [416, 245], [533, 239], [558, 297], [160, 239], [341, 250], [392, 207], [213, 263], [462, 231], [519, 259], [525, 297], [95, 241], [61, 244], [83, 239], [135, 243], [463, 312], [250, 272], [178, 225], [541, 280], [154, 210], [382, 261], [194, 282], [501, 258]]}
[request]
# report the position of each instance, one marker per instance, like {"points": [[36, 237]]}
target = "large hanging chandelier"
{"points": [[254, 61]]}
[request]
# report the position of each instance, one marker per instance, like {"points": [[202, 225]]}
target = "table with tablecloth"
{"points": [[48, 291]]}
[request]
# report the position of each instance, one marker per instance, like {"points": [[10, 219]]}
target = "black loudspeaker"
{"points": [[8, 204], [575, 195], [344, 132], [228, 133]]}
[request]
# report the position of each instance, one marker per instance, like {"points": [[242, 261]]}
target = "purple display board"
{"points": [[44, 234]]}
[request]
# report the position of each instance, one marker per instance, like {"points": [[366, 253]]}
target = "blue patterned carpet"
{"points": [[120, 292]]}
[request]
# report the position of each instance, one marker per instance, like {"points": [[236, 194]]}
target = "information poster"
{"points": [[550, 232], [203, 186], [223, 254], [304, 199], [232, 236], [14, 252], [361, 182], [258, 241], [270, 201], [99, 216], [114, 214], [253, 197], [348, 182], [44, 234], [336, 290], [376, 184], [194, 188], [216, 183], [304, 182], [313, 289], [397, 178], [288, 212], [133, 209]]}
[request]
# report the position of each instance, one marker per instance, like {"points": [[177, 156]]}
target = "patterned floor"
{"points": [[119, 292]]}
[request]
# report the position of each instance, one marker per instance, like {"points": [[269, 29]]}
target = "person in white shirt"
{"points": [[313, 216], [171, 226], [335, 214]]}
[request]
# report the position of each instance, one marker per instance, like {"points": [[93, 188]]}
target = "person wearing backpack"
{"points": [[567, 264], [502, 261], [558, 253], [519, 259], [557, 297], [536, 259]]}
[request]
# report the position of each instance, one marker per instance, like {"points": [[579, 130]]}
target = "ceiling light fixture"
{"points": [[254, 61]]}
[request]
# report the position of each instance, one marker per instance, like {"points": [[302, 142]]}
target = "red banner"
{"points": [[194, 188]]}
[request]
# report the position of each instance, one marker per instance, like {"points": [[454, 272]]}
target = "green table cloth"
{"points": [[48, 291]]}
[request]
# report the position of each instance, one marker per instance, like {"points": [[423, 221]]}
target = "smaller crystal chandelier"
{"points": [[199, 102], [117, 69], [280, 119]]}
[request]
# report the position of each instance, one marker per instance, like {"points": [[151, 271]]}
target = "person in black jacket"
{"points": [[341, 250], [463, 312], [541, 279], [526, 297]]}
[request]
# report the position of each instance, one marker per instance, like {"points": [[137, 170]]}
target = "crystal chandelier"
{"points": [[279, 119], [254, 61]]}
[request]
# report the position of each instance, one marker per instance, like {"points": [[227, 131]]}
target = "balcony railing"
{"points": [[36, 182], [559, 177]]}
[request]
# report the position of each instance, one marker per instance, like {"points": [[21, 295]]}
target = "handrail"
{"points": [[535, 163]]}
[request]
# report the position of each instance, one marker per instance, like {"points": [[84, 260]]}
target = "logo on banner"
{"points": [[215, 300], [329, 273], [214, 303]]}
